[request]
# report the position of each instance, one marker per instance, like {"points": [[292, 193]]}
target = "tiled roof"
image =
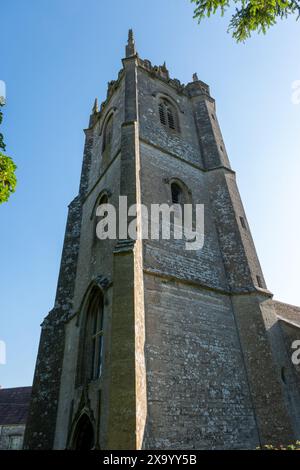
{"points": [[287, 312], [14, 403]]}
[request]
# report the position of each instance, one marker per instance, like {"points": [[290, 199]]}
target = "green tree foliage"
{"points": [[250, 15], [8, 178]]}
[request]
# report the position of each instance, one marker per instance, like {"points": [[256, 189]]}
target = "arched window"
{"points": [[93, 342], [177, 194], [84, 434], [107, 136], [168, 115], [103, 200]]}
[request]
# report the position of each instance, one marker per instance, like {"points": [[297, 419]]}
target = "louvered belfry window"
{"points": [[168, 115]]}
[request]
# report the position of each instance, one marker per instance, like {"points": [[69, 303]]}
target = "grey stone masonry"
{"points": [[195, 354]]}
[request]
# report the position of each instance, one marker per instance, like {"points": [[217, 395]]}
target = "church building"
{"points": [[150, 345]]}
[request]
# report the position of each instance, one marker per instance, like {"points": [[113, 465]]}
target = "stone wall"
{"points": [[193, 331], [11, 437], [170, 256], [198, 395]]}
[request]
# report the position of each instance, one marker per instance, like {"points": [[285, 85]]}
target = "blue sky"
{"points": [[56, 57]]}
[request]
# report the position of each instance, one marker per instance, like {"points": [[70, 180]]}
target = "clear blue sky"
{"points": [[56, 57]]}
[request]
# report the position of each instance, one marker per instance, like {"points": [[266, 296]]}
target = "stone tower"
{"points": [[150, 345]]}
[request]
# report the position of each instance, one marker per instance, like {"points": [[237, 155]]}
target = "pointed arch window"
{"points": [[168, 115], [180, 196], [93, 344], [83, 438], [177, 194], [107, 136], [103, 200]]}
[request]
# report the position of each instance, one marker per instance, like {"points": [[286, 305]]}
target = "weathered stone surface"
{"points": [[198, 395], [11, 437], [193, 349]]}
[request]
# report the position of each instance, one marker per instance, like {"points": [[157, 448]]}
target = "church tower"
{"points": [[150, 345]]}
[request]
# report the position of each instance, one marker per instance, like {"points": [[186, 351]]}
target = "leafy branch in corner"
{"points": [[250, 15]]}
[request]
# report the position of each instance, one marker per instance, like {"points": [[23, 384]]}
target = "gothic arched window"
{"points": [[93, 343], [83, 438], [107, 135], [177, 194], [103, 200], [168, 115]]}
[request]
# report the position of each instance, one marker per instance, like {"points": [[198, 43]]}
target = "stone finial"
{"points": [[130, 36], [130, 48], [163, 71], [95, 107], [195, 77]]}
